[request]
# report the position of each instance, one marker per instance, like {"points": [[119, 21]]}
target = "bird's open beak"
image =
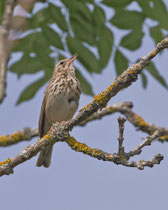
{"points": [[71, 60]]}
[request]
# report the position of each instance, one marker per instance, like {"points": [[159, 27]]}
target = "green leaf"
{"points": [[81, 21], [103, 36], [121, 62], [30, 65], [29, 92], [156, 34], [53, 37], [144, 80], [85, 56], [24, 67], [133, 40], [79, 8], [127, 19], [82, 29], [104, 45], [40, 19], [116, 3], [31, 42], [155, 10], [35, 43], [85, 85], [57, 16], [155, 73], [98, 17]]}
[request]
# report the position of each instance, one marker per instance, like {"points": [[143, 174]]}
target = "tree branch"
{"points": [[136, 120], [60, 132], [4, 45], [124, 80], [19, 136]]}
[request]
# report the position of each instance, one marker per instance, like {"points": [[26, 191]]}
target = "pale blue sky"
{"points": [[76, 181]]}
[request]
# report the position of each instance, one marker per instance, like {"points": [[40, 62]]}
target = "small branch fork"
{"points": [[61, 132]]}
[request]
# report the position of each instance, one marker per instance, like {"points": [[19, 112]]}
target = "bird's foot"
{"points": [[65, 123], [51, 128]]}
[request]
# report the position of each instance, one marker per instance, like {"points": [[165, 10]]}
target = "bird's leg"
{"points": [[51, 128]]}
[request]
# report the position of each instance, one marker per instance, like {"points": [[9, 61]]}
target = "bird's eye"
{"points": [[61, 62]]}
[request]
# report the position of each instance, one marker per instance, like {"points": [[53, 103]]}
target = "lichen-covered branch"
{"points": [[144, 126], [125, 108], [59, 133], [124, 80], [27, 134], [115, 158], [108, 110], [4, 45]]}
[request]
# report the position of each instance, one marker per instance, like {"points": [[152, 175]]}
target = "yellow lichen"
{"points": [[131, 71], [80, 147], [100, 98], [140, 121], [85, 107], [109, 89], [153, 53], [164, 138], [12, 139], [5, 162], [103, 98], [46, 137]]}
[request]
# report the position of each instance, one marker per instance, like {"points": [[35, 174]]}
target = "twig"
{"points": [[19, 136], [136, 120], [4, 45], [108, 110], [121, 122], [148, 140], [101, 155]]}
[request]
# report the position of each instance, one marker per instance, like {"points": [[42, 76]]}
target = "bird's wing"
{"points": [[42, 119]]}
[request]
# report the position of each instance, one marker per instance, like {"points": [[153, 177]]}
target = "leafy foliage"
{"points": [[151, 69], [83, 27]]}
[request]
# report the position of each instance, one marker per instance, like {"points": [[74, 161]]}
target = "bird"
{"points": [[60, 102]]}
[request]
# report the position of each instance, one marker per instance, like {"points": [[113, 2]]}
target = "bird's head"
{"points": [[65, 65]]}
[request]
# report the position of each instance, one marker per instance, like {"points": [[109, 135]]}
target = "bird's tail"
{"points": [[44, 158]]}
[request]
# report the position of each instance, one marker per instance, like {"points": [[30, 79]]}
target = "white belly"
{"points": [[59, 109]]}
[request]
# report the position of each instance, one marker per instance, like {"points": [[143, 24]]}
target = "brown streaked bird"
{"points": [[60, 102]]}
